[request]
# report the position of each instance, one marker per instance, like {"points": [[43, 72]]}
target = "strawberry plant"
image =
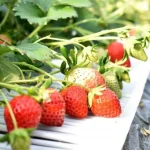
{"points": [[93, 40]]}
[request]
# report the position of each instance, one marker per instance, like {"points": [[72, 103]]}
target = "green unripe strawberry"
{"points": [[125, 77], [19, 138], [120, 84], [138, 52], [112, 82]]}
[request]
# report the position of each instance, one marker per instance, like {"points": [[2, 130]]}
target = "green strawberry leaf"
{"points": [[4, 49], [2, 103], [35, 51], [4, 138], [61, 11], [44, 5], [31, 12], [76, 3], [102, 62], [90, 26], [30, 40], [36, 15], [2, 2], [64, 52], [8, 71], [73, 55], [25, 58]]}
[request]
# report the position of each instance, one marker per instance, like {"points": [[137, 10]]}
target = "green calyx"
{"points": [[112, 82], [19, 139], [103, 61], [95, 91], [90, 53], [78, 58], [106, 65], [39, 92], [123, 60]]}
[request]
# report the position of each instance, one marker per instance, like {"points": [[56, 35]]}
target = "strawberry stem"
{"points": [[16, 88], [10, 110], [37, 79], [52, 65], [7, 15], [90, 37], [35, 31], [34, 68], [71, 41], [55, 72], [27, 81], [115, 65]]}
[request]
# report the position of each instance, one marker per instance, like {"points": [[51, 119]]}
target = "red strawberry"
{"points": [[127, 63], [106, 104], [116, 52], [88, 77], [27, 112], [76, 101], [53, 108], [5, 38], [132, 32]]}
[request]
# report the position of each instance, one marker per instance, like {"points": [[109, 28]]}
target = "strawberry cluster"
{"points": [[88, 93], [96, 97], [92, 84], [89, 90]]}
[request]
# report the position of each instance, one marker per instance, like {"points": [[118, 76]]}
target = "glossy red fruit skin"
{"points": [[76, 101], [27, 112], [53, 110], [106, 105], [116, 52], [127, 63]]}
